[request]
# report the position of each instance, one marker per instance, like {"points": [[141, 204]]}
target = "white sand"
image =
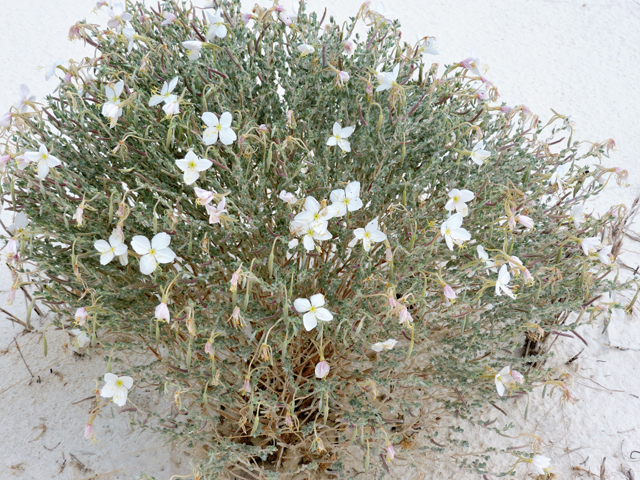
{"points": [[578, 58]]}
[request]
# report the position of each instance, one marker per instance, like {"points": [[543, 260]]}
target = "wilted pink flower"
{"points": [[285, 18], [525, 221], [169, 18], [287, 197], [288, 421], [236, 313], [289, 116], [246, 388], [234, 283], [263, 128], [525, 111], [5, 120], [349, 47], [162, 312], [322, 369], [481, 94], [120, 211], [88, 431], [67, 78], [246, 18], [241, 140], [208, 348], [343, 77], [391, 452], [280, 8], [505, 109], [78, 215], [517, 376], [405, 316], [369, 89], [204, 196], [388, 255], [12, 296], [4, 159], [81, 316], [392, 302], [527, 275], [449, 293], [11, 248]]}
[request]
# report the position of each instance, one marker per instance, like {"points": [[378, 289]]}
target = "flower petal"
{"points": [[310, 321], [317, 300], [324, 315], [140, 244], [160, 241], [302, 305]]}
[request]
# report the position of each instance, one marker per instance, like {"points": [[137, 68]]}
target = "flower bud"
{"points": [[208, 348], [288, 421], [162, 312], [405, 316], [78, 216], [391, 452], [322, 369], [263, 128], [285, 18], [349, 47], [525, 221], [81, 316], [517, 376], [505, 109], [246, 387], [88, 431], [449, 293], [343, 77], [388, 254]]}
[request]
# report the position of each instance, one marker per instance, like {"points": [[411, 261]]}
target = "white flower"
{"points": [[558, 175], [526, 222], [169, 18], [204, 196], [342, 77], [172, 105], [165, 93], [472, 63], [293, 243], [457, 199], [590, 245], [314, 308], [215, 213], [114, 248], [380, 346], [478, 154], [52, 70], [339, 136], [452, 232], [193, 49], [44, 160], [112, 109], [503, 379], [287, 197], [25, 99], [305, 49], [577, 215], [309, 233], [322, 369], [347, 200], [81, 316], [192, 165], [116, 387], [217, 128], [19, 224], [118, 17], [129, 33], [315, 214], [605, 255], [539, 463], [162, 312], [502, 284], [154, 252], [484, 256], [81, 339], [370, 234], [430, 46], [216, 26], [386, 16], [388, 79]]}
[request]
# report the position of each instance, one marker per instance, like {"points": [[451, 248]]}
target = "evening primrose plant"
{"points": [[316, 245]]}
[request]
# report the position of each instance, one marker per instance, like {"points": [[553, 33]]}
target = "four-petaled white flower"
{"points": [[526, 222], [287, 197], [215, 213], [305, 49], [25, 99], [453, 232], [313, 310], [165, 93], [19, 224], [605, 255], [114, 248], [154, 252], [81, 339], [479, 154], [117, 388], [430, 46], [347, 200], [558, 175], [472, 63], [502, 284], [192, 165], [370, 234], [577, 215], [162, 312], [339, 137], [112, 109], [54, 67], [507, 377], [204, 196], [194, 48], [215, 128], [171, 106], [540, 463], [309, 233], [44, 159], [118, 17], [386, 16], [387, 80], [216, 27], [315, 214], [380, 346], [169, 18], [590, 245], [457, 199]]}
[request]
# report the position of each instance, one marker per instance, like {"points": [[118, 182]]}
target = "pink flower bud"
{"points": [[67, 78], [288, 421], [343, 77], [527, 275], [391, 452], [468, 63], [517, 376], [12, 296], [169, 18], [88, 431], [481, 94], [349, 47], [388, 255], [142, 18], [369, 89], [234, 281], [511, 222], [280, 8], [505, 109], [449, 293], [287, 197], [322, 369], [208, 348], [81, 316], [392, 302], [78, 215], [236, 313], [120, 211], [246, 18], [246, 388], [11, 248], [263, 128], [525, 221], [525, 111], [289, 116], [285, 18], [162, 312], [4, 159]]}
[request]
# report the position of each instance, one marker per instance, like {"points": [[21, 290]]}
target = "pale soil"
{"points": [[578, 58]]}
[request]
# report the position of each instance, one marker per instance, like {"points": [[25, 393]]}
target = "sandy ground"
{"points": [[578, 58]]}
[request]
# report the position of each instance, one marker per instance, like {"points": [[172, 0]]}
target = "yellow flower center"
{"points": [[367, 234], [119, 383], [152, 251], [192, 165], [456, 199], [447, 232], [312, 309]]}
